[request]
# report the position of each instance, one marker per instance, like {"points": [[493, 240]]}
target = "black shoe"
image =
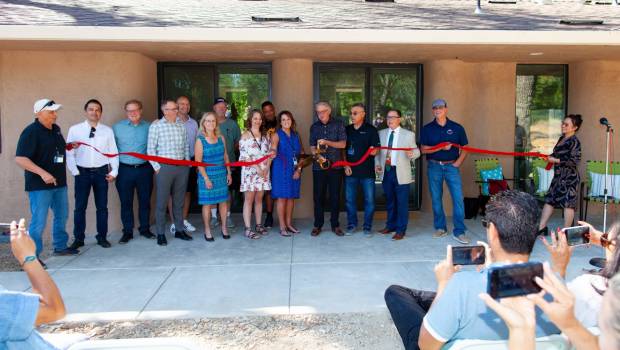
{"points": [[161, 240], [66, 251], [148, 235], [104, 243], [209, 239], [268, 221], [125, 239], [42, 264], [543, 231], [225, 236], [182, 235], [76, 245]]}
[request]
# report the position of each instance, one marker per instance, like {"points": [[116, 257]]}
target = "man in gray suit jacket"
{"points": [[394, 169]]}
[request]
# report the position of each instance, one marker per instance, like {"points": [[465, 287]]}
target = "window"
{"points": [[245, 86], [379, 87], [540, 107]]}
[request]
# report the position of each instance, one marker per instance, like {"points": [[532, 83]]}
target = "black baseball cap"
{"points": [[218, 100]]}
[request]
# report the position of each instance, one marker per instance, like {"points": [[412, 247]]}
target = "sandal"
{"points": [[261, 229], [251, 234], [285, 233], [292, 229]]}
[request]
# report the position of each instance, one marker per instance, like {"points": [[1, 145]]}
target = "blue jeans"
{"points": [[397, 202], [40, 203], [437, 174], [95, 179], [368, 188]]}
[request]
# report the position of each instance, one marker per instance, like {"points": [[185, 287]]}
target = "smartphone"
{"points": [[513, 280], [5, 225], [468, 255], [577, 235]]}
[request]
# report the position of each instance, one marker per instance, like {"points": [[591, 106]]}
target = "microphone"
{"points": [[605, 122]]}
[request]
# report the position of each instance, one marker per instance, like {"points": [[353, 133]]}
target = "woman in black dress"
{"points": [[563, 189]]}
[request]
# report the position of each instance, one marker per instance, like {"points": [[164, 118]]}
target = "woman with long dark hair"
{"points": [[286, 177]]}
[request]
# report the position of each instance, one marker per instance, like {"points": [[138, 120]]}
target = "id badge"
{"points": [[59, 159], [351, 151], [294, 161]]}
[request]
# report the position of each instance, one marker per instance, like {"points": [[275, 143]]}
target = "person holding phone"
{"points": [[21, 312], [564, 186], [427, 320], [587, 288], [518, 313]]}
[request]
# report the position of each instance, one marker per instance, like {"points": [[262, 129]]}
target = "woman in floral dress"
{"points": [[254, 144]]}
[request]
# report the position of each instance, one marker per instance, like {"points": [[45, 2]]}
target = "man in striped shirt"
{"points": [[168, 138]]}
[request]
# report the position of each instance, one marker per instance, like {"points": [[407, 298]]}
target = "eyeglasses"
{"points": [[48, 104], [439, 107], [485, 222], [606, 242], [322, 111], [92, 132]]}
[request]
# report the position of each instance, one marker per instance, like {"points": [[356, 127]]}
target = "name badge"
{"points": [[59, 159], [351, 151]]}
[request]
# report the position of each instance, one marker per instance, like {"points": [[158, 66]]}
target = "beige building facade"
{"points": [[474, 72]]}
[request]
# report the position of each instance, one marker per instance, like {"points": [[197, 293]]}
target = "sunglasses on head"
{"points": [[485, 222], [92, 132], [48, 104]]}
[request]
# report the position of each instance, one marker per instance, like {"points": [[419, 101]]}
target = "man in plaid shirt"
{"points": [[168, 138]]}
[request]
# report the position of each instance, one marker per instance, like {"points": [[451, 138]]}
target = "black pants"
{"points": [[91, 178], [408, 308], [322, 180], [132, 179]]}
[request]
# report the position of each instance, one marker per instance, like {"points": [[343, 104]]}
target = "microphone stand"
{"points": [[605, 191]]}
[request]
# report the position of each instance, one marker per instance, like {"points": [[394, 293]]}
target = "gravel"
{"points": [[288, 332], [8, 261]]}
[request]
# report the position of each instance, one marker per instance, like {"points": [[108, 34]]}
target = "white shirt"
{"points": [[394, 144], [587, 300], [87, 157]]}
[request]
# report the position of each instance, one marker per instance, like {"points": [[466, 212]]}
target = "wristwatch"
{"points": [[28, 259]]}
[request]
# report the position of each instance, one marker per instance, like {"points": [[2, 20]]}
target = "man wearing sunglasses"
{"points": [[41, 153], [443, 165], [92, 169]]}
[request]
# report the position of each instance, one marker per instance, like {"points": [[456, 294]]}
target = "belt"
{"points": [[92, 169], [135, 165], [442, 162]]}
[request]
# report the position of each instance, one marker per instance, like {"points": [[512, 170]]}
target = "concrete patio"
{"points": [[272, 275]]}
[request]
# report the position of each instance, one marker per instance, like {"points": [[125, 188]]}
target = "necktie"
{"points": [[388, 165]]}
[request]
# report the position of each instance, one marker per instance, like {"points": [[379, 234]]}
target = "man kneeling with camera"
{"points": [[428, 320]]}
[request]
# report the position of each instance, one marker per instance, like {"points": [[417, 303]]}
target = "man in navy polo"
{"points": [[443, 165]]}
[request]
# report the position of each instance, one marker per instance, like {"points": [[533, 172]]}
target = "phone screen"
{"points": [[468, 255], [577, 235], [514, 280]]}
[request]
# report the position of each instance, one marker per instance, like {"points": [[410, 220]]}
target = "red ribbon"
{"points": [[340, 163], [169, 161], [343, 163]]}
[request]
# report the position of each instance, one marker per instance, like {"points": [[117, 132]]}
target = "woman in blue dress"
{"points": [[286, 171], [213, 181]]}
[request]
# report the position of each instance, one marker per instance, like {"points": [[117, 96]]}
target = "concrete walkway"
{"points": [[272, 275]]}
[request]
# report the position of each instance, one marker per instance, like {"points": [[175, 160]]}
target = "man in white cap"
{"points": [[41, 153]]}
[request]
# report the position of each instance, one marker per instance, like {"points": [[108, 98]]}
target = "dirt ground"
{"points": [[318, 332]]}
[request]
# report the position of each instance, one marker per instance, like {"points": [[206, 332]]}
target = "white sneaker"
{"points": [[188, 226], [214, 222], [173, 230]]}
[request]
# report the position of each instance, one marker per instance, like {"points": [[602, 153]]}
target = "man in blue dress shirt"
{"points": [[134, 174]]}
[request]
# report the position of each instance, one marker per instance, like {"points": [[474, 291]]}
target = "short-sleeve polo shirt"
{"points": [[42, 146], [433, 134]]}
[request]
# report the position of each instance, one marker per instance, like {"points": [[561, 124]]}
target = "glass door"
{"points": [[379, 87]]}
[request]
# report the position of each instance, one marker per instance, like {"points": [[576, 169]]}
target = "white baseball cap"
{"points": [[46, 105]]}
